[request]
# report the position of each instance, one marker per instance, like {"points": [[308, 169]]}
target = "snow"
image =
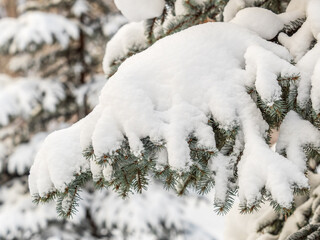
{"points": [[180, 9], [19, 213], [20, 218], [244, 226], [131, 34], [272, 171], [259, 20], [307, 66], [305, 134], [36, 28], [138, 10], [142, 100], [300, 42], [139, 212], [297, 5], [315, 90], [299, 46], [221, 165], [233, 7], [263, 68], [113, 23], [23, 97], [22, 158], [46, 174], [90, 91], [80, 7]]}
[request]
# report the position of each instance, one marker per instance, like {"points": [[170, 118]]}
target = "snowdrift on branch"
{"points": [[168, 94]]}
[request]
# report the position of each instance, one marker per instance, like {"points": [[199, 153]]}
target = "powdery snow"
{"points": [[24, 97], [80, 7], [244, 226], [36, 28], [263, 68], [59, 166], [299, 46], [259, 20], [142, 99], [138, 10], [113, 23], [305, 134], [21, 159], [130, 35], [233, 7], [300, 42], [315, 90]]}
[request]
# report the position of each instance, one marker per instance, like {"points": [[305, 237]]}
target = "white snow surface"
{"points": [[300, 42], [25, 96], [244, 226], [80, 7], [259, 20], [142, 100], [36, 28], [113, 23], [138, 10], [58, 166], [233, 7], [129, 35], [305, 134], [315, 90], [22, 158]]}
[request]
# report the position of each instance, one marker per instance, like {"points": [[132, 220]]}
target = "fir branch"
{"points": [[223, 207], [307, 233]]}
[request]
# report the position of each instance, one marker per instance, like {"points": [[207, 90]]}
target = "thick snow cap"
{"points": [[138, 10]]}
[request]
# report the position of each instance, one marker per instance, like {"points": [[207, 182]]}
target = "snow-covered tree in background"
{"points": [[50, 77], [196, 109]]}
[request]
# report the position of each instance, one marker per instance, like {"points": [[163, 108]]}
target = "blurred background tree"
{"points": [[50, 77]]}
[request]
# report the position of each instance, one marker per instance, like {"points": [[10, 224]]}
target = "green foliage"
{"points": [[169, 23], [309, 232], [131, 173], [276, 6], [221, 208], [67, 201], [293, 26], [274, 112]]}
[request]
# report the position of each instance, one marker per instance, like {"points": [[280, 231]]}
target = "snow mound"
{"points": [[233, 7], [130, 35], [259, 20], [36, 28], [162, 94], [138, 10], [305, 135], [299, 44]]}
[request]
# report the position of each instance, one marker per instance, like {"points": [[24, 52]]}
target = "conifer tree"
{"points": [[256, 72], [50, 77], [48, 80]]}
